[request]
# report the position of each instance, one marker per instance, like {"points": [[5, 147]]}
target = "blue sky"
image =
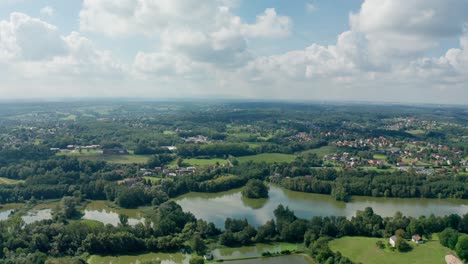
{"points": [[364, 50]]}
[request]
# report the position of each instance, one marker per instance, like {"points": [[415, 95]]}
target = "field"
{"points": [[364, 250], [268, 158], [204, 162], [322, 151], [380, 157], [98, 156], [10, 181], [416, 131], [154, 180]]}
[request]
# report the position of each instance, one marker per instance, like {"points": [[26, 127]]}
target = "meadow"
{"points": [[364, 250]]}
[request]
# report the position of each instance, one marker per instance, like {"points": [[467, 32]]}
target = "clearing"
{"points": [[364, 250], [268, 158]]}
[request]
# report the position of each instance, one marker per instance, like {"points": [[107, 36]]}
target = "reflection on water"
{"points": [[250, 251], [5, 214], [295, 259], [217, 207], [37, 215], [100, 211], [7, 209], [165, 258]]}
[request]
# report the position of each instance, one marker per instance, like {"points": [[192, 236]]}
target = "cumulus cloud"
{"points": [[36, 49], [29, 38], [127, 17], [408, 28], [47, 11]]}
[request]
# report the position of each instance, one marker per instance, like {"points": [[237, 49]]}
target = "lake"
{"points": [[216, 207], [7, 209], [100, 211], [178, 258]]}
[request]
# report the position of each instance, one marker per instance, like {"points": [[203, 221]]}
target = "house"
{"points": [[417, 239], [129, 181], [120, 172], [393, 240]]}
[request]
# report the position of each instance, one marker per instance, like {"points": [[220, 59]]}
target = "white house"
{"points": [[393, 241], [417, 239]]}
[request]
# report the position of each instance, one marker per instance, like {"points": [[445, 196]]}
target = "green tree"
{"points": [[198, 245], [123, 219], [255, 189], [448, 238], [197, 260], [462, 247]]}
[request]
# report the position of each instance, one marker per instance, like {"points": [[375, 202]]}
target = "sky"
{"points": [[409, 51]]}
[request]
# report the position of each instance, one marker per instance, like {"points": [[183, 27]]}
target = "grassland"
{"points": [[380, 157], [154, 180], [416, 132], [268, 158], [322, 151], [364, 250], [95, 155], [10, 181], [204, 162]]}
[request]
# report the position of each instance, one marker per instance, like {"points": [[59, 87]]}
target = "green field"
{"points": [[98, 156], [154, 180], [380, 157], [322, 151], [204, 162], [364, 250], [268, 158], [416, 131], [10, 181]]}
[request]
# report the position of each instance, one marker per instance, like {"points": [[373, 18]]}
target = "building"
{"points": [[417, 239], [393, 240]]}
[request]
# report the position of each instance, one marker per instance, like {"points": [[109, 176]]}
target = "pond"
{"points": [[252, 251], [165, 258], [100, 211], [7, 209], [219, 206], [293, 259], [37, 215]]}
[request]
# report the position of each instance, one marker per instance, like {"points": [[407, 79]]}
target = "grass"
{"points": [[95, 155], [380, 157], [10, 181], [416, 131], [364, 250], [268, 158], [154, 180], [204, 162], [322, 151]]}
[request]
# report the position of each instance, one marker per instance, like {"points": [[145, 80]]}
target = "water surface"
{"points": [[165, 258], [218, 206], [100, 211]]}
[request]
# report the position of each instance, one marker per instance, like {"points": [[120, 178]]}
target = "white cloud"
{"points": [[34, 49], [127, 17], [47, 11], [268, 24], [310, 8], [29, 38], [408, 28]]}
